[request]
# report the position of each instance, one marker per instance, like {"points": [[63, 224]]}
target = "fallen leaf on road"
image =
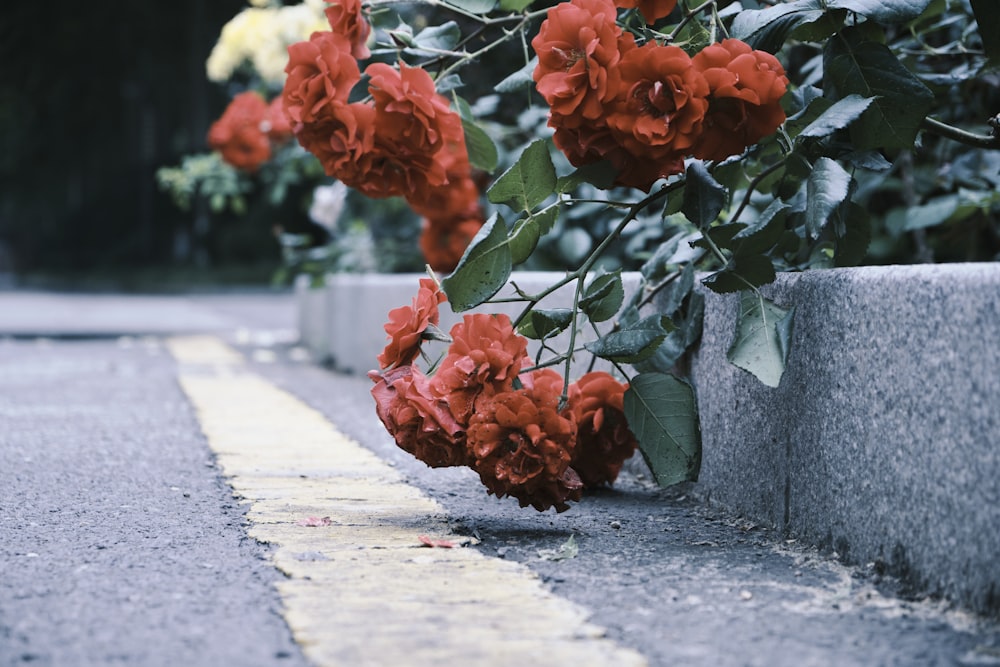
{"points": [[568, 549], [314, 521], [441, 544]]}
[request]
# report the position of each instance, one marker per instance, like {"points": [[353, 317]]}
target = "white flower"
{"points": [[327, 204], [261, 36]]}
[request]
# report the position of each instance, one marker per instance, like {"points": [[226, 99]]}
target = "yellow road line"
{"points": [[362, 590]]}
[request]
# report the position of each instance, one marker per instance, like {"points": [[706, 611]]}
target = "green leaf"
{"points": [[657, 267], [855, 66], [515, 5], [473, 6], [600, 174], [721, 235], [886, 12], [988, 19], [483, 269], [402, 36], [661, 413], [744, 271], [870, 160], [524, 237], [767, 29], [482, 150], [931, 214], [568, 549], [828, 186], [542, 323], [763, 332], [765, 231], [632, 344], [448, 83], [518, 80], [672, 297], [838, 116], [603, 297], [528, 182], [704, 197], [438, 37], [853, 235]]}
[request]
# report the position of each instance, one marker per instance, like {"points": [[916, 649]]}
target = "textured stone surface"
{"points": [[881, 442]]}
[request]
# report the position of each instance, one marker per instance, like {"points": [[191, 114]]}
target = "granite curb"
{"points": [[881, 441]]}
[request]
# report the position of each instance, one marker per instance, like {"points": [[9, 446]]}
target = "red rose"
{"points": [[320, 72], [604, 440], [651, 10], [279, 129], [419, 423], [238, 134], [407, 324], [745, 101], [443, 242], [523, 446], [485, 352], [346, 19], [663, 102], [416, 131], [592, 142], [584, 143], [459, 199], [579, 46], [343, 141]]}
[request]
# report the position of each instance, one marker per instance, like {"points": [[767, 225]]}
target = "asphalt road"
{"points": [[121, 544]]}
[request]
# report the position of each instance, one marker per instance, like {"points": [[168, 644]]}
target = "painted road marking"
{"points": [[362, 590]]}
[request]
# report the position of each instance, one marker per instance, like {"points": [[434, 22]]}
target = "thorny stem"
{"points": [[688, 16], [375, 4], [580, 273], [961, 136], [752, 186], [715, 249], [646, 300], [554, 361], [722, 258], [508, 34], [588, 264]]}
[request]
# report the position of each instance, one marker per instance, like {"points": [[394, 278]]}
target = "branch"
{"points": [[961, 136]]}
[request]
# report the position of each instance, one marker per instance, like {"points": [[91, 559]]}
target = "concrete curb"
{"points": [[881, 443]]}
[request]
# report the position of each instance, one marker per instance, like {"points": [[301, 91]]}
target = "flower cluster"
{"points": [[261, 35], [646, 108], [484, 408], [404, 140], [248, 130]]}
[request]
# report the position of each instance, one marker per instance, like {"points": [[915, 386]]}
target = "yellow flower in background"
{"points": [[261, 36]]}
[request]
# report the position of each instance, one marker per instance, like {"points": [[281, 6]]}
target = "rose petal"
{"points": [[441, 544], [314, 521]]}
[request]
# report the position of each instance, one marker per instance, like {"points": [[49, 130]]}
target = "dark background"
{"points": [[94, 97]]}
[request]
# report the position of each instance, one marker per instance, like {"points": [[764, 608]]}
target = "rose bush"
{"points": [[674, 128], [723, 139], [256, 175]]}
